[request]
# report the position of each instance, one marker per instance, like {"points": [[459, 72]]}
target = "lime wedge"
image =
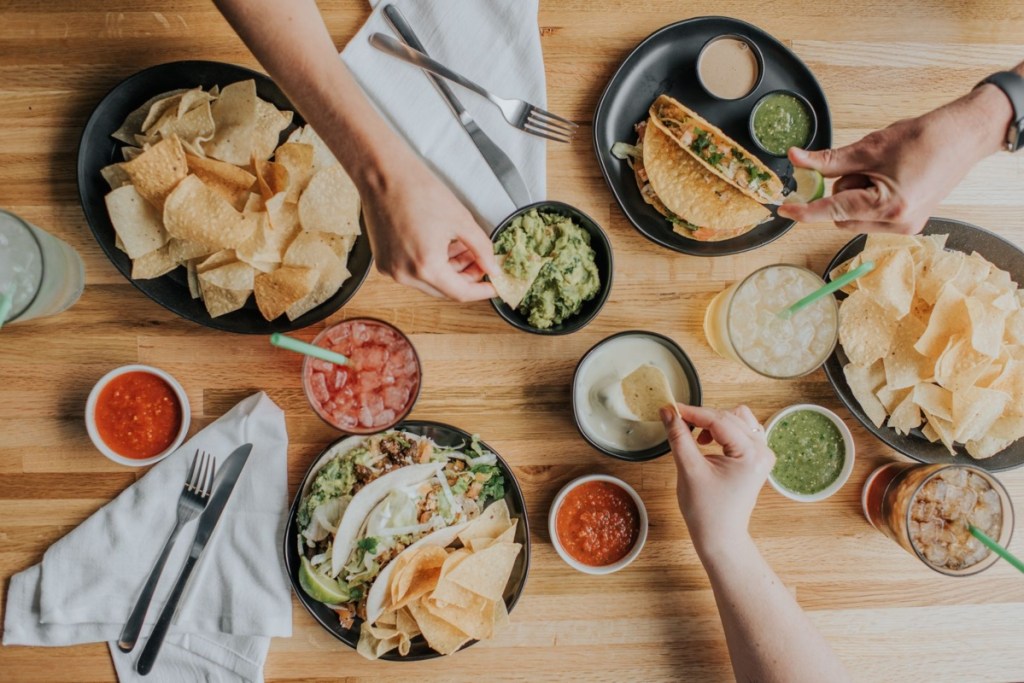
{"points": [[810, 185], [320, 587]]}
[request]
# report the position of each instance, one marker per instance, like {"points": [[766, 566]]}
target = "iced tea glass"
{"points": [[742, 322], [926, 509]]}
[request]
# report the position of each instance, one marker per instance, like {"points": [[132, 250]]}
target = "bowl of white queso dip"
{"points": [[604, 366]]}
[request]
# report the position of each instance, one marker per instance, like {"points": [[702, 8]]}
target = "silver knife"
{"points": [[499, 162], [224, 484]]}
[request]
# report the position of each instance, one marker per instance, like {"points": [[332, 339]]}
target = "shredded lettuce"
{"points": [[624, 150]]}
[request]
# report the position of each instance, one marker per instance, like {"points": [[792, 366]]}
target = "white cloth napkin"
{"points": [[493, 42], [239, 595]]}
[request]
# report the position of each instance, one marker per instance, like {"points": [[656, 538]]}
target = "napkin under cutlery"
{"points": [[497, 44], [239, 596]]}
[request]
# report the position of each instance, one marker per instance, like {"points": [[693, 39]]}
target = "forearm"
{"points": [[769, 636], [982, 116], [291, 41]]}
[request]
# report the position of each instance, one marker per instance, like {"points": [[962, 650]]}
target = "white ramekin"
{"points": [[844, 475], [586, 568], [90, 415]]}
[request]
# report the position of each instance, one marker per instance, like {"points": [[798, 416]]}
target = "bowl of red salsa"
{"points": [[598, 524], [379, 387], [137, 415]]}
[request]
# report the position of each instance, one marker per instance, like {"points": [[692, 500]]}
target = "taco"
{"points": [[698, 204], [369, 498], [719, 153]]}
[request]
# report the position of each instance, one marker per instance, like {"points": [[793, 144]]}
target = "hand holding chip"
{"points": [[717, 492], [422, 236], [893, 179]]}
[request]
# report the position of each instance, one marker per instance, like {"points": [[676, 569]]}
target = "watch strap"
{"points": [[1012, 84]]}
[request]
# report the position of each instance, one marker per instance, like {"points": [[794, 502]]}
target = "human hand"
{"points": [[422, 236], [893, 179], [717, 492]]}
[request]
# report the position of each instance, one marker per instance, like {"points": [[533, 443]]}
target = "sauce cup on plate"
{"points": [[782, 119], [598, 524], [380, 386], [730, 67], [137, 415], [814, 452]]}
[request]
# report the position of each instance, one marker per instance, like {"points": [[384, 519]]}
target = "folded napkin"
{"points": [[238, 597], [495, 43]]}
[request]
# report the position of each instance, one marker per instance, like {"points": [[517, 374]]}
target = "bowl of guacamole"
{"points": [[567, 256], [813, 452]]}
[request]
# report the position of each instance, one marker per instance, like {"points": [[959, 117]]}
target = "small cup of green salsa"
{"points": [[780, 120], [813, 452]]}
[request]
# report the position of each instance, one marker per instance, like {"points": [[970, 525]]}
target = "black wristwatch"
{"points": [[1013, 85]]}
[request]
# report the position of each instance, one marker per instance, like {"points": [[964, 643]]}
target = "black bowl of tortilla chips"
{"points": [[98, 149], [870, 403], [445, 436]]}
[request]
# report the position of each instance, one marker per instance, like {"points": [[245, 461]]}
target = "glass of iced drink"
{"points": [[743, 323], [42, 274], [379, 386], [928, 510]]}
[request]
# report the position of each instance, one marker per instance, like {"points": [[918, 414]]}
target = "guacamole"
{"points": [[568, 276], [809, 452]]}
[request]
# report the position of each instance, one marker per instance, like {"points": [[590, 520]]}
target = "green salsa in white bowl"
{"points": [[814, 452]]}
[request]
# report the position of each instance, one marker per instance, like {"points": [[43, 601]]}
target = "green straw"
{"points": [[6, 301], [996, 548], [838, 283], [280, 340]]}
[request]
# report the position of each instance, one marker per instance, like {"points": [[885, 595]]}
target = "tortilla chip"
{"points": [[220, 301], [866, 331], [280, 289], [975, 410], [193, 279], [439, 634], [486, 572], [271, 177], [194, 126], [906, 415], [297, 157], [154, 264], [960, 366], [988, 323], [135, 221], [183, 250], [513, 290], [934, 399], [475, 620], [935, 270], [312, 250], [419, 575], [322, 155], [197, 213], [115, 176], [864, 382], [330, 203], [491, 523], [157, 171], [215, 260], [133, 123], [270, 121], [891, 283], [647, 391], [236, 276], [904, 366], [235, 113], [227, 179]]}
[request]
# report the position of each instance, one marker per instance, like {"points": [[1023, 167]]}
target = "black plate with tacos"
{"points": [[686, 169], [379, 519]]}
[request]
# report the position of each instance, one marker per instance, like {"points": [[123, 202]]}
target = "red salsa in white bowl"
{"points": [[379, 386]]}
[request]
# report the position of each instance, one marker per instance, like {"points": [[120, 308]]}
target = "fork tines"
{"points": [[200, 475], [551, 126]]}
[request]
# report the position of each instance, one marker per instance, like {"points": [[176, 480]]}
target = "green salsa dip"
{"points": [[569, 275], [781, 121], [809, 451]]}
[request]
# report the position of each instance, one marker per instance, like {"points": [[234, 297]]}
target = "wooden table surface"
{"points": [[887, 615]]}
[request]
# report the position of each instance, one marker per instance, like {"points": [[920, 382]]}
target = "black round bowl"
{"points": [[602, 258], [97, 149], [693, 380], [758, 58], [443, 435], [962, 237], [757, 105]]}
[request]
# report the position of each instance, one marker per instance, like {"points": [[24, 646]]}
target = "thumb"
{"points": [[684, 448], [829, 162], [477, 241]]}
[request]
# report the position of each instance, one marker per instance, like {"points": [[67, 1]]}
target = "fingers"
{"points": [[851, 182], [830, 163], [476, 241], [684, 449], [862, 204], [728, 429], [459, 288]]}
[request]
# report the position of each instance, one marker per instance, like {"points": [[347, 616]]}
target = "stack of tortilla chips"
{"points": [[935, 340], [449, 595], [206, 186]]}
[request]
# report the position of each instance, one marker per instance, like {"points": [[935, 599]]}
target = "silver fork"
{"points": [[518, 113], [191, 502]]}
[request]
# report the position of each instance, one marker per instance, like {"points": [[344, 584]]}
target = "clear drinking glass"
{"points": [[43, 274], [906, 503], [742, 322]]}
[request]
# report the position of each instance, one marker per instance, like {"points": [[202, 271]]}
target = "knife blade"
{"points": [[224, 485], [502, 167]]}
